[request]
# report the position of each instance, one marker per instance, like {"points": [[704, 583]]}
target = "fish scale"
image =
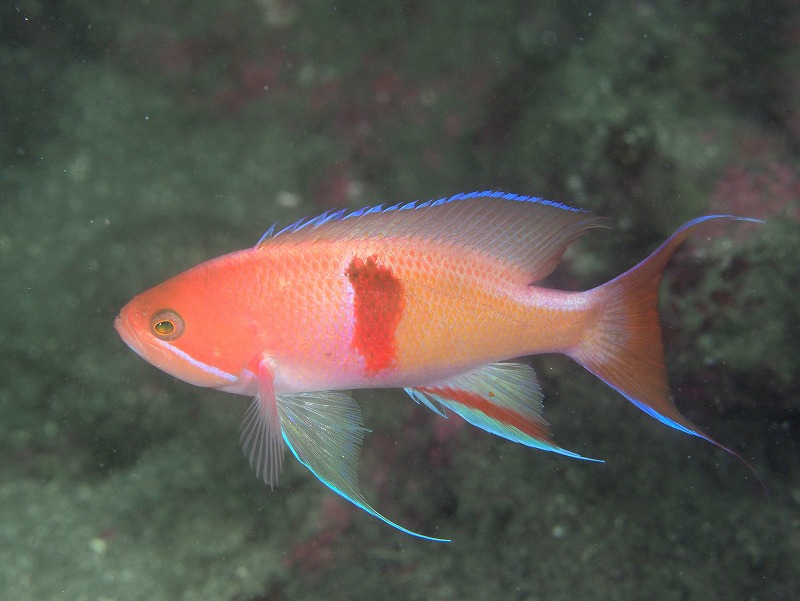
{"points": [[437, 298]]}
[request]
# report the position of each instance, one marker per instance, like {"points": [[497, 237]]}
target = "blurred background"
{"points": [[141, 138]]}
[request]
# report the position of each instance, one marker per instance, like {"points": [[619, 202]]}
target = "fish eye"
{"points": [[167, 325]]}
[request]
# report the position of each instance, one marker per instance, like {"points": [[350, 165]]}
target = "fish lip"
{"points": [[128, 334], [159, 355]]}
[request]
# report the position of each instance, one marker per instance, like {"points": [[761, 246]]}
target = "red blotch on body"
{"points": [[506, 416], [378, 304]]}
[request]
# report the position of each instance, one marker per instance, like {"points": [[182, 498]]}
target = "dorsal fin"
{"points": [[524, 231]]}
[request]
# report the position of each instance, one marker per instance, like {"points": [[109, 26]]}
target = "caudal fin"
{"points": [[624, 347]]}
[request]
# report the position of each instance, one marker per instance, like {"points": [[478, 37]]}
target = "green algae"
{"points": [[745, 285]]}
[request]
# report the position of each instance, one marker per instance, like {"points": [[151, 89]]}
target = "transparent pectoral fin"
{"points": [[260, 433], [324, 430]]}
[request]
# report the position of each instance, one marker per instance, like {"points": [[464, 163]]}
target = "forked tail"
{"points": [[624, 346]]}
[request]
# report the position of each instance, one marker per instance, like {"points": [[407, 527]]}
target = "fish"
{"points": [[439, 298]]}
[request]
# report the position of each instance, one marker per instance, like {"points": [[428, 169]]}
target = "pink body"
{"points": [[428, 297]]}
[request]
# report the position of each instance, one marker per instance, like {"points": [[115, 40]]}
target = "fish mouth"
{"points": [[171, 360], [128, 335]]}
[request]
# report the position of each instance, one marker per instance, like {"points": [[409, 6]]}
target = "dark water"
{"points": [[142, 138]]}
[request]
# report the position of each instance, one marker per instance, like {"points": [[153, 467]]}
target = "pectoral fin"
{"points": [[324, 431], [260, 433]]}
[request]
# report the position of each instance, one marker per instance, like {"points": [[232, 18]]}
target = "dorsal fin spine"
{"points": [[342, 214], [527, 234]]}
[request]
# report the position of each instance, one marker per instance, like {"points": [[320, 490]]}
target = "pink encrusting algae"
{"points": [[432, 297]]}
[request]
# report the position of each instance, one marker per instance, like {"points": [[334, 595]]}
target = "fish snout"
{"points": [[131, 325], [128, 334]]}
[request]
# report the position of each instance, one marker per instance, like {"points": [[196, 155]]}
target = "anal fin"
{"points": [[501, 398]]}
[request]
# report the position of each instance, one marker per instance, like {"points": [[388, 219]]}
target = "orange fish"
{"points": [[431, 297]]}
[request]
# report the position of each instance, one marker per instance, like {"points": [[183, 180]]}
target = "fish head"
{"points": [[191, 327]]}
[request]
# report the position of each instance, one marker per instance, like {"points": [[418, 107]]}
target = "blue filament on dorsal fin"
{"points": [[375, 209], [342, 214], [267, 235]]}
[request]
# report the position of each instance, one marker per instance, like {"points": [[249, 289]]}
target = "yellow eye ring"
{"points": [[166, 325]]}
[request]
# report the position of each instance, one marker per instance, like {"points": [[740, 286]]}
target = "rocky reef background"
{"points": [[142, 138]]}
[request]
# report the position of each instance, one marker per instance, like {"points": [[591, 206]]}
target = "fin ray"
{"points": [[624, 346], [501, 398], [260, 432], [527, 232], [324, 431]]}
